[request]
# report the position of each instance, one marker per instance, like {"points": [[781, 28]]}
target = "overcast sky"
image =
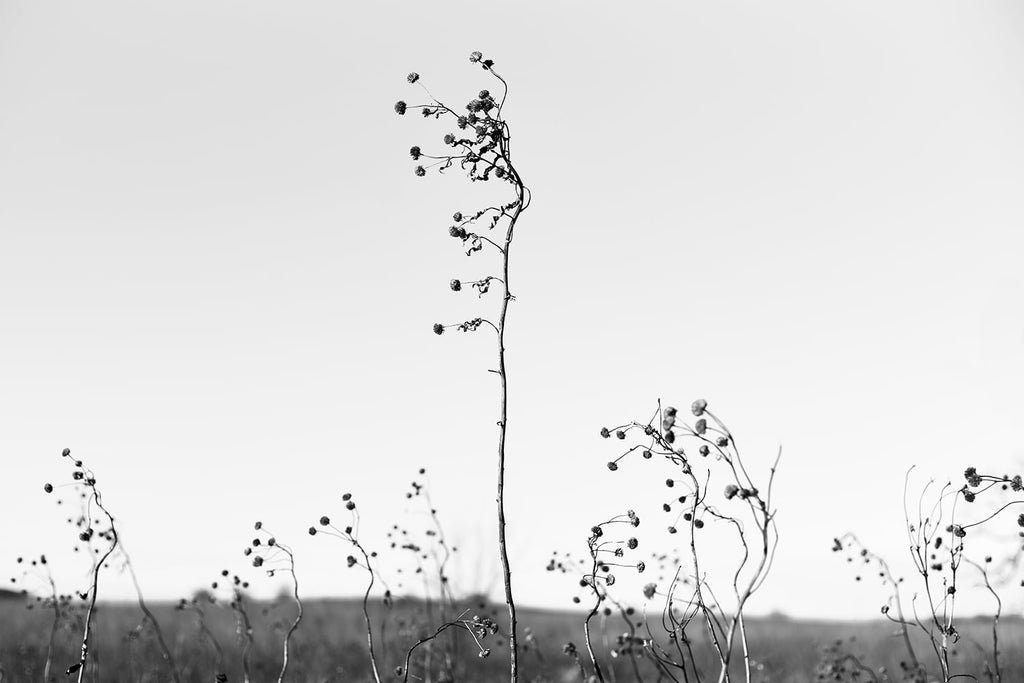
{"points": [[218, 273]]}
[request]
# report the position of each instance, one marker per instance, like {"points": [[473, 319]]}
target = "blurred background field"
{"points": [[331, 644]]}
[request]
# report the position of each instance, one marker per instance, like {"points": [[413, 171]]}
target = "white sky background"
{"points": [[218, 272]]}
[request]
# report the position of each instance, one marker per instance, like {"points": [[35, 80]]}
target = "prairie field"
{"points": [[331, 645]]}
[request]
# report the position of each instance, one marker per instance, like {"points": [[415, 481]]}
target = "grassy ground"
{"points": [[330, 645]]}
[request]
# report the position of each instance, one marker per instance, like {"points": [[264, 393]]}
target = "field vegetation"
{"points": [[689, 620]]}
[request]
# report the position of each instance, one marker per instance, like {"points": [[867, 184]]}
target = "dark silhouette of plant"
{"points": [[936, 532], [351, 534], [742, 506], [91, 528], [272, 556], [482, 148]]}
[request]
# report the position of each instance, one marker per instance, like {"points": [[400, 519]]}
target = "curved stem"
{"points": [[513, 640], [87, 631], [166, 651], [298, 617]]}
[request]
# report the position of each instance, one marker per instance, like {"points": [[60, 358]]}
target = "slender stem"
{"points": [[592, 579], [168, 657], [246, 627], [87, 631], [298, 616], [366, 613], [513, 639]]}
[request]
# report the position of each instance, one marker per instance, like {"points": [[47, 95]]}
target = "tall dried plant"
{"points": [[481, 147]]}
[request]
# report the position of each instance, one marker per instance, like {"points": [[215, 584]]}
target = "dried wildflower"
{"points": [[438, 328], [605, 433], [413, 77], [641, 567], [973, 479], [619, 434], [704, 450], [400, 107], [670, 483], [420, 171], [701, 426], [325, 520], [48, 488], [257, 561], [649, 590], [449, 139], [730, 491], [612, 466], [456, 285], [646, 454], [475, 57], [350, 505], [415, 152], [312, 531], [596, 531], [350, 561], [258, 526], [632, 543], [698, 407]]}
